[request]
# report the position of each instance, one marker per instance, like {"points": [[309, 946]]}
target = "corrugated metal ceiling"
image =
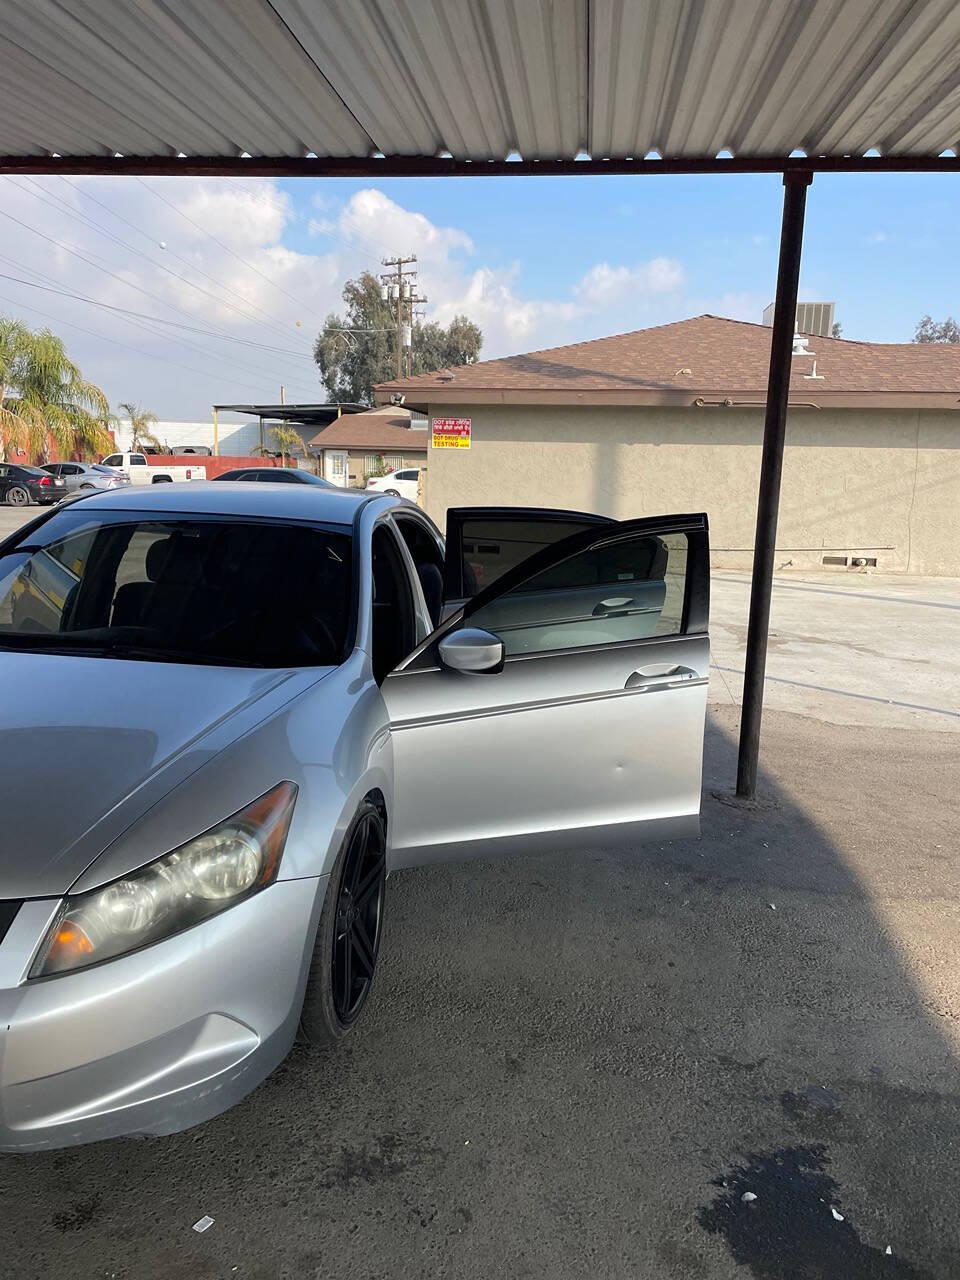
{"points": [[479, 79]]}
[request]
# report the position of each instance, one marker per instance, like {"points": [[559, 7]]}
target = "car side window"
{"points": [[628, 588], [491, 546], [137, 460], [394, 630], [428, 562], [114, 460]]}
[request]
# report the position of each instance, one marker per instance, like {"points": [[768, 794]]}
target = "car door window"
{"points": [[114, 460], [485, 543], [394, 630], [625, 589], [428, 562]]}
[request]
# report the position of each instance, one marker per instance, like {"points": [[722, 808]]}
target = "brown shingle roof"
{"points": [[705, 357], [386, 428]]}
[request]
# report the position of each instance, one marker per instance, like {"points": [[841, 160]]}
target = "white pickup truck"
{"points": [[140, 471]]}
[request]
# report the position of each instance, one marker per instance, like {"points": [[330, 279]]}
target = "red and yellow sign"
{"points": [[451, 433]]}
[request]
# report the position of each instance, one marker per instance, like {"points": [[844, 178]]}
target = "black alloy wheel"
{"points": [[356, 938], [18, 496], [347, 942]]}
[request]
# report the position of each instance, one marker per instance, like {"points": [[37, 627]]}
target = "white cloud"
{"points": [[604, 285], [246, 260]]}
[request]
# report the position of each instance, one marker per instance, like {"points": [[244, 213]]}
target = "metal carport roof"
{"points": [[379, 86]]}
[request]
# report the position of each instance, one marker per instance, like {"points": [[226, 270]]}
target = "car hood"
{"points": [[89, 744]]}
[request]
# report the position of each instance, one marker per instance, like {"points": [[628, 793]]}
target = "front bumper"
{"points": [[156, 1041]]}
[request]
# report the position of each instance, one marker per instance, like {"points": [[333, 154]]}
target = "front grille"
{"points": [[7, 911]]}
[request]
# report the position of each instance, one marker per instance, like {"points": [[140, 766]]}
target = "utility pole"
{"points": [[399, 285]]}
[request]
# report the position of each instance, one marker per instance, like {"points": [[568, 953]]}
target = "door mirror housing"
{"points": [[472, 650]]}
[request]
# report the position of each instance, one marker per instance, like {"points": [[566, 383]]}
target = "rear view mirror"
{"points": [[472, 650]]}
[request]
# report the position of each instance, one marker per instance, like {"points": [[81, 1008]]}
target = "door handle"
{"points": [[615, 604], [660, 674]]}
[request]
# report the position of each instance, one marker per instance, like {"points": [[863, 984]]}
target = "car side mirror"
{"points": [[472, 650]]}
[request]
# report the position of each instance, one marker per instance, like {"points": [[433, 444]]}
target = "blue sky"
{"points": [[881, 247], [230, 279]]}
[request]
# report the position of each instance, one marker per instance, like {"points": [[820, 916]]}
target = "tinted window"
{"points": [[137, 460], [204, 591], [625, 589], [490, 547], [114, 460]]}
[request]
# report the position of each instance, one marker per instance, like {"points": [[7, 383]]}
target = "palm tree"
{"points": [[288, 441], [44, 396], [141, 420]]}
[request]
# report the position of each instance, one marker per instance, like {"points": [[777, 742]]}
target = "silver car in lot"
{"points": [[78, 476], [229, 710]]}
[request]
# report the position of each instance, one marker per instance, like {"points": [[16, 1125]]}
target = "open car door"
{"points": [[563, 705]]}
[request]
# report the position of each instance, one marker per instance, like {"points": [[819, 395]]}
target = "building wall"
{"points": [[238, 439], [883, 483]]}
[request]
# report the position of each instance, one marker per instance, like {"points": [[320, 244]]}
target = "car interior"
{"points": [[394, 629], [215, 591]]}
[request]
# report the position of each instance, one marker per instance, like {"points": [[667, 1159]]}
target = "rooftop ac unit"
{"points": [[812, 317]]}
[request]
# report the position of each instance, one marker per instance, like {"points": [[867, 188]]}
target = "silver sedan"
{"points": [[79, 476], [229, 710]]}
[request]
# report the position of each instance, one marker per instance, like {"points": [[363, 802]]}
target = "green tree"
{"points": [[44, 396], [930, 330], [287, 441], [357, 350], [437, 348], [141, 420]]}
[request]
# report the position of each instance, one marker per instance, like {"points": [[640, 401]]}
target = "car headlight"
{"points": [[226, 864]]}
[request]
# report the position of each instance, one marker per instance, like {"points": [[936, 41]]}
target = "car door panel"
{"points": [[591, 735]]}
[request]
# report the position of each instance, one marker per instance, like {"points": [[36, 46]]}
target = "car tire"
{"points": [[392, 493], [348, 936], [17, 496], [88, 486]]}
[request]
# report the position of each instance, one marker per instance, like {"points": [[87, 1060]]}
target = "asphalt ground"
{"points": [[581, 1065]]}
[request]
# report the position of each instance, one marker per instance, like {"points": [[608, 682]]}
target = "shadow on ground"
{"points": [[580, 1066]]}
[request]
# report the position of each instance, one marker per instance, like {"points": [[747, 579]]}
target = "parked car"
{"points": [[266, 715], [20, 485], [87, 475], [399, 484], [275, 475], [139, 471]]}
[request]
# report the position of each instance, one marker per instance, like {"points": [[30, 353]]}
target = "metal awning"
{"points": [[453, 86], [316, 414]]}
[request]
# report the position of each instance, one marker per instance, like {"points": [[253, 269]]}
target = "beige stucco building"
{"points": [[871, 467]]}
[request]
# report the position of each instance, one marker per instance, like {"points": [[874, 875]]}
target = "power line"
{"points": [[46, 198], [177, 324], [142, 320], [227, 288], [226, 248], [150, 355], [374, 246]]}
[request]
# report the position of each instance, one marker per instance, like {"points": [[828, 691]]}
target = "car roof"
{"points": [[239, 498]]}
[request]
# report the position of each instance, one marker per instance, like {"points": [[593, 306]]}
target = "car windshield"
{"points": [[202, 590]]}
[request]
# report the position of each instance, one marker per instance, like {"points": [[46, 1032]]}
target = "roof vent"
{"points": [[446, 376], [801, 345]]}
